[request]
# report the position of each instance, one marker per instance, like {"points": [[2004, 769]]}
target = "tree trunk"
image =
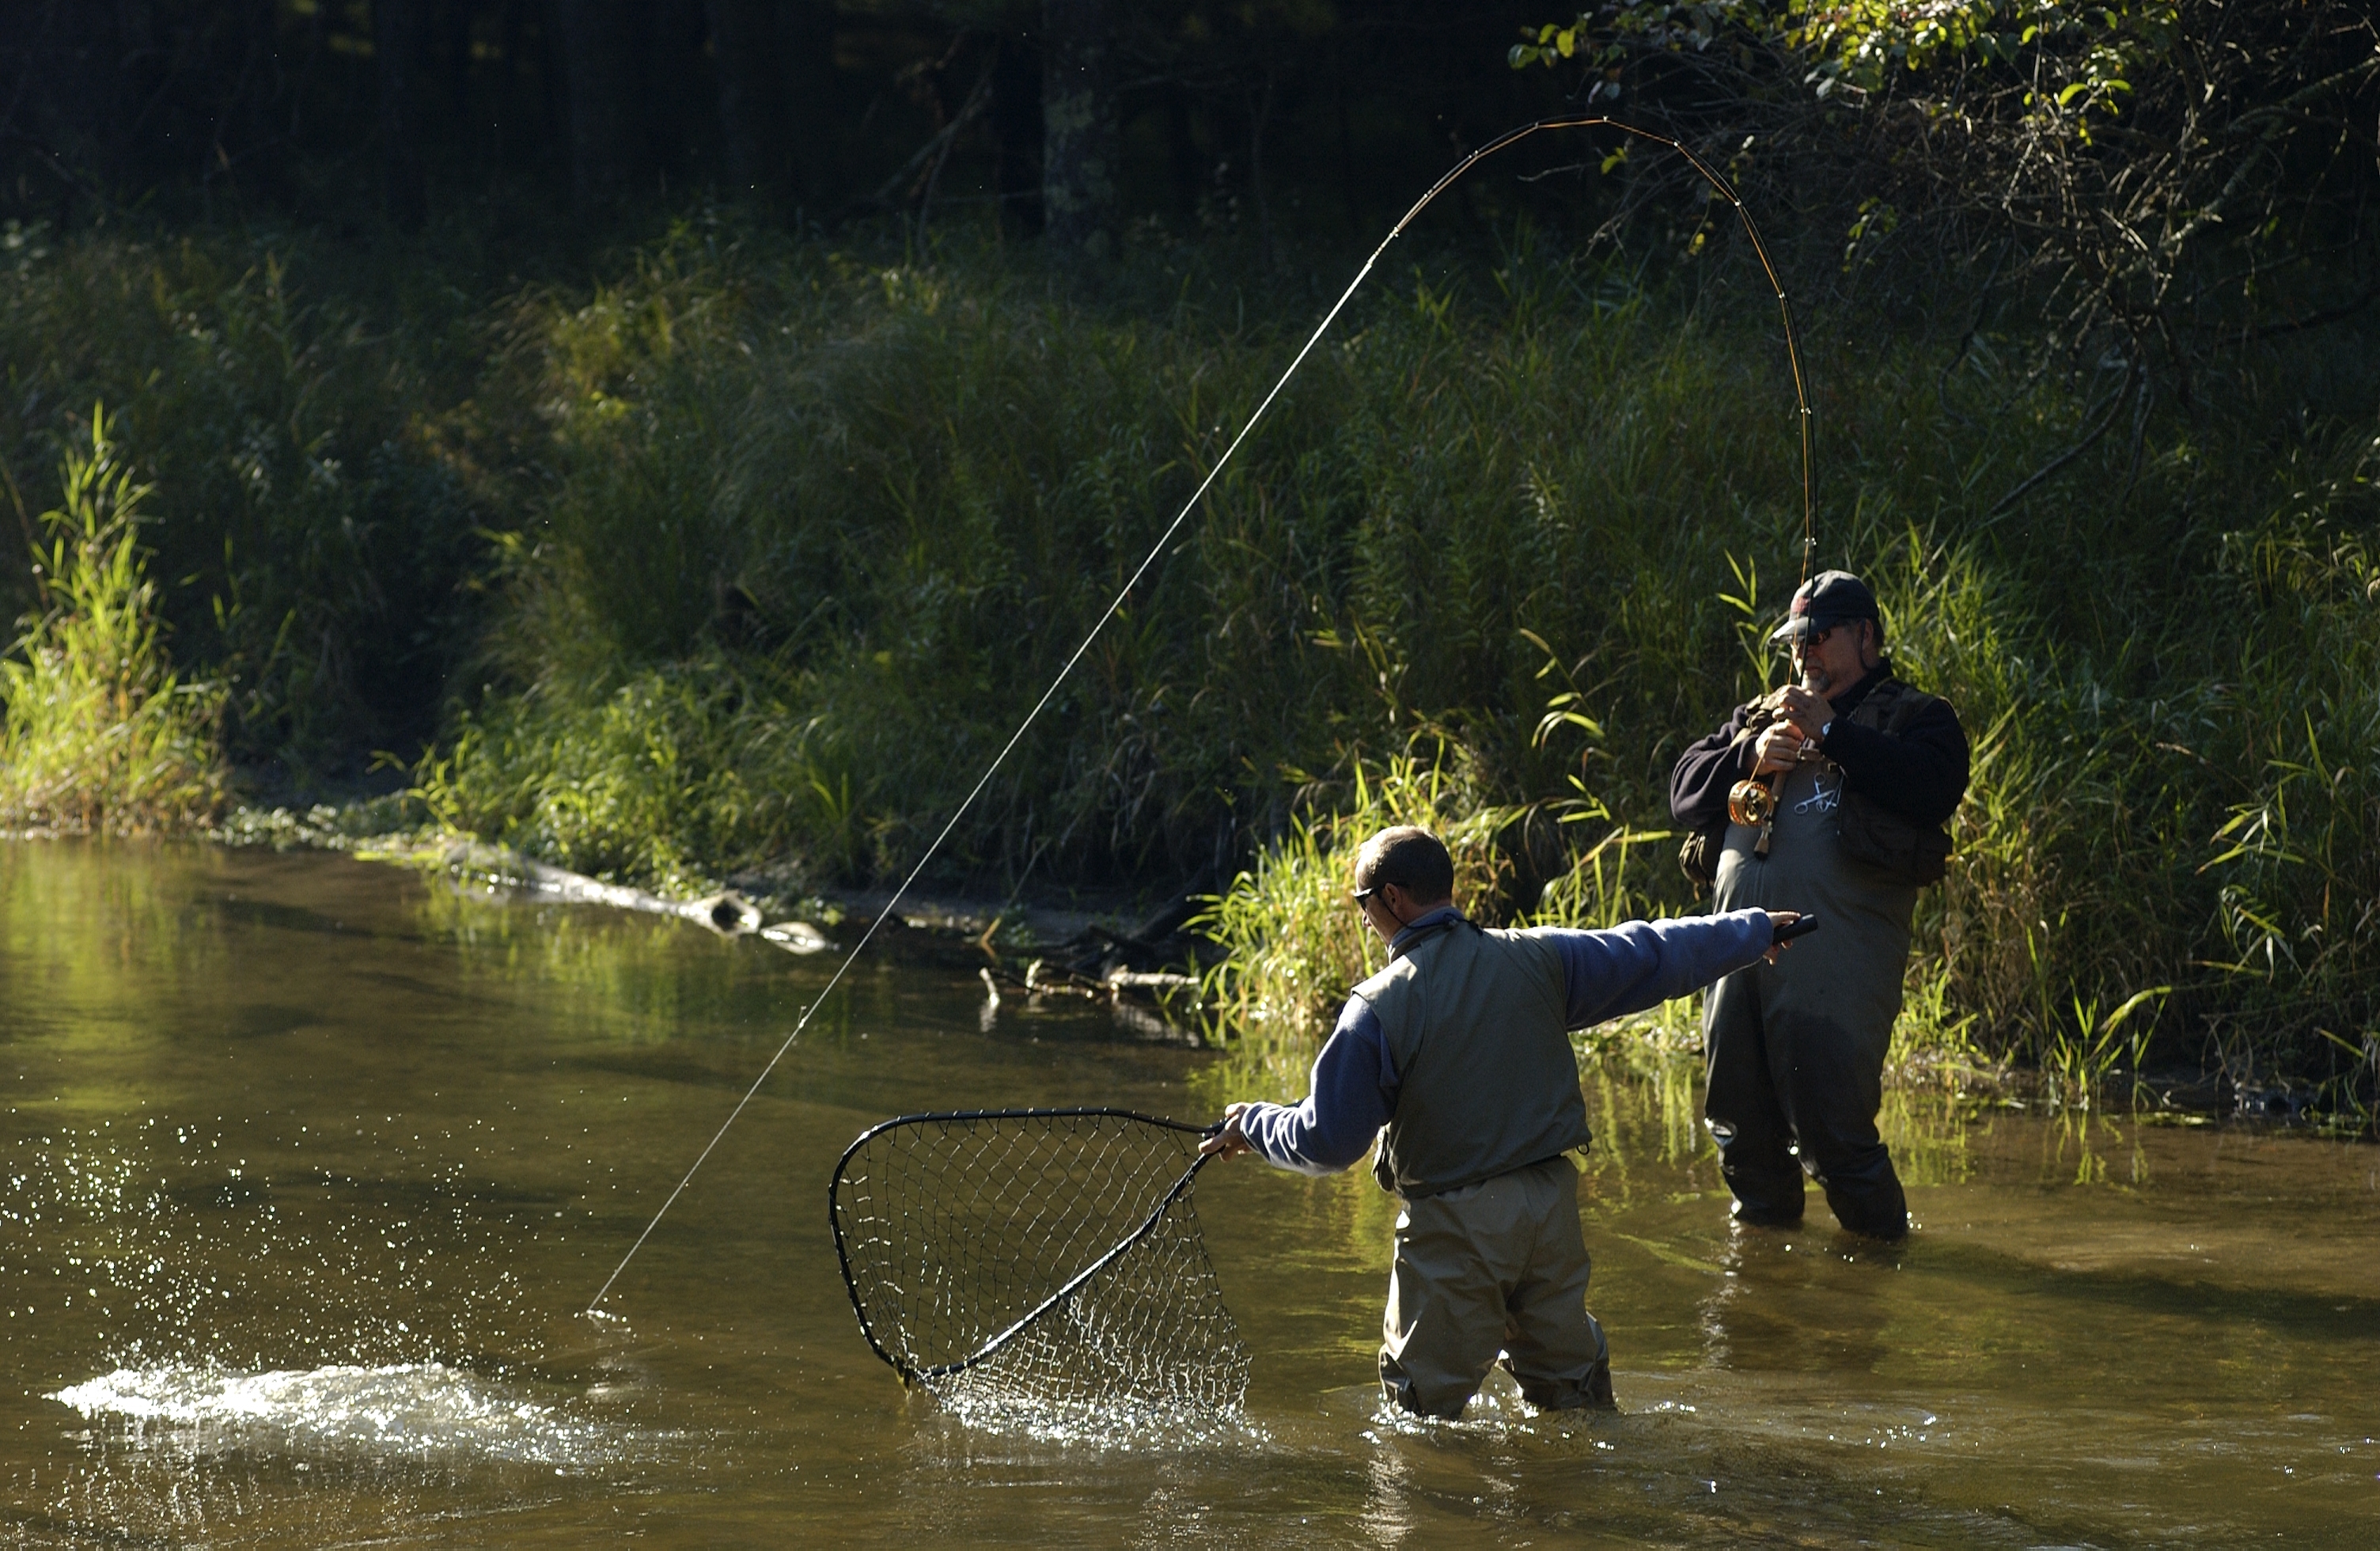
{"points": [[743, 48], [249, 127], [395, 27], [806, 35], [1016, 131], [593, 34], [454, 57], [1078, 136], [554, 81]]}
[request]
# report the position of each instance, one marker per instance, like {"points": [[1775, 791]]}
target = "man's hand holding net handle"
{"points": [[1223, 1139]]}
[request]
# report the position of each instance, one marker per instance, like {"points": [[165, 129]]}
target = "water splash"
{"points": [[420, 1411], [1126, 1426]]}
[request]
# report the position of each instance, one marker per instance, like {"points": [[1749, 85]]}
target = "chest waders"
{"points": [[1796, 1050], [1490, 1260]]}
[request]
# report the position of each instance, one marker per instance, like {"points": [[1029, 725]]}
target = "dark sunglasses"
{"points": [[1360, 895]]}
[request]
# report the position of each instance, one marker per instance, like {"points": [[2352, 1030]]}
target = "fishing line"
{"points": [[1502, 142]]}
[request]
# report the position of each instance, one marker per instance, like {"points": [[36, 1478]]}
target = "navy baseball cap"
{"points": [[1825, 601]]}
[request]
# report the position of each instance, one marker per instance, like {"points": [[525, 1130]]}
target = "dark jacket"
{"points": [[1920, 775]]}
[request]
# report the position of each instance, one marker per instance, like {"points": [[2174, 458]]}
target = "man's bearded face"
{"points": [[1832, 658]]}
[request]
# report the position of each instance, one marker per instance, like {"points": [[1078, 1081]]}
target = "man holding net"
{"points": [[1457, 1056]]}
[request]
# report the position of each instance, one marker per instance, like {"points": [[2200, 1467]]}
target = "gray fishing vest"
{"points": [[1487, 1082], [1847, 975]]}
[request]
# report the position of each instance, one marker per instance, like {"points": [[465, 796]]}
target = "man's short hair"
{"points": [[1412, 858]]}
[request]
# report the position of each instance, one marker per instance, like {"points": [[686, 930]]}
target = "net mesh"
{"points": [[1040, 1267]]}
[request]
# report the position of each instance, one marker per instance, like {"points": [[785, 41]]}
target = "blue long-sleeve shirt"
{"points": [[1607, 974]]}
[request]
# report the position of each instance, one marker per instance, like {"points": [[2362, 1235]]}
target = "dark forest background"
{"points": [[683, 436], [1071, 116], [401, 171]]}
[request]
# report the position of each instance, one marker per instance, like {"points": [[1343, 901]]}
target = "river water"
{"points": [[308, 1167]]}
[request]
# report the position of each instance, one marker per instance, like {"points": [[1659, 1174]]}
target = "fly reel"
{"points": [[1752, 804]]}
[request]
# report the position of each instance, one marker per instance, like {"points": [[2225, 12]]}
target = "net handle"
{"points": [[946, 1116]]}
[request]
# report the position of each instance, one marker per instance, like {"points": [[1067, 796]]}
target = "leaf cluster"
{"points": [[2159, 178]]}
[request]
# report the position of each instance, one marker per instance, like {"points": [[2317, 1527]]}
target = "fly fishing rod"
{"points": [[1505, 141]]}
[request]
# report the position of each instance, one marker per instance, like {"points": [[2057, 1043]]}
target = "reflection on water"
{"points": [[306, 1168]]}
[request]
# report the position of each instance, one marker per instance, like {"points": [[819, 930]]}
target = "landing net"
{"points": [[1042, 1269]]}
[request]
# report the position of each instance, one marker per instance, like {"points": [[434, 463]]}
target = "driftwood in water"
{"points": [[729, 914], [797, 937]]}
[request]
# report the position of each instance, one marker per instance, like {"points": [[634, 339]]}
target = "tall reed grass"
{"points": [[99, 735], [1295, 940]]}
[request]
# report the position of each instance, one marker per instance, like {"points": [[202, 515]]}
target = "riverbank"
{"points": [[1163, 972], [778, 538]]}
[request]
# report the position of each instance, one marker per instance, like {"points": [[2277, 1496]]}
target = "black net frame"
{"points": [[1044, 1259]]}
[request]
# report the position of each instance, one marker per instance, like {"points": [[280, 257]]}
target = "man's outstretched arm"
{"points": [[1629, 969], [1353, 1094]]}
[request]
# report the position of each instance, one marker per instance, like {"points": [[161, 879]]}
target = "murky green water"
{"points": [[305, 1168]]}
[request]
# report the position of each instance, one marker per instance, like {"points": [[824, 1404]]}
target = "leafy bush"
{"points": [[787, 538], [679, 774]]}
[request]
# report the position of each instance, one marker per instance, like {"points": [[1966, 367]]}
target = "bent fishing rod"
{"points": [[1505, 141]]}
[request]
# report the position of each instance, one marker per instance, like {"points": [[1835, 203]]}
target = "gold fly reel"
{"points": [[1752, 804]]}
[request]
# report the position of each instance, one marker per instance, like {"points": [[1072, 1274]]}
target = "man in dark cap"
{"points": [[1456, 1059], [1863, 773]]}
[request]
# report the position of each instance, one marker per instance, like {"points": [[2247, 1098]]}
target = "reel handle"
{"points": [[1753, 804]]}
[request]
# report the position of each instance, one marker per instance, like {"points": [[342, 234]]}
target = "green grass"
{"points": [[100, 735], [302, 414], [674, 778], [1293, 940]]}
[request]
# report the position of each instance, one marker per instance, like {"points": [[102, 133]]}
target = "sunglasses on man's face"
{"points": [[1360, 895]]}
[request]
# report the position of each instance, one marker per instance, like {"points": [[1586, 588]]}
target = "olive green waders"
{"points": [[1796, 1050], [1499, 1265]]}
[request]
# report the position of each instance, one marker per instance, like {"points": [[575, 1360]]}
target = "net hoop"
{"points": [[910, 1375]]}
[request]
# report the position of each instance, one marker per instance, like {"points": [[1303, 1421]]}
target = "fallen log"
{"points": [[727, 912]]}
